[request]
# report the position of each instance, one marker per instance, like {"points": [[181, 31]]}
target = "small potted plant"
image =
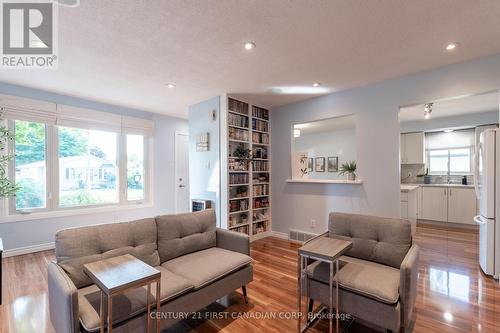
{"points": [[243, 156], [348, 168]]}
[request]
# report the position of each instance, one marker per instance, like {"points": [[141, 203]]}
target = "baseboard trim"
{"points": [[283, 235], [28, 249]]}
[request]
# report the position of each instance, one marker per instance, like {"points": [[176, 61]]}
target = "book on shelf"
{"points": [[260, 113], [260, 125], [262, 202], [262, 138], [238, 178], [237, 106], [237, 120], [259, 152], [260, 165], [238, 134], [260, 189]]}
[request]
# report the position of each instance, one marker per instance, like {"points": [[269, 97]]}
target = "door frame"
{"points": [[175, 169]]}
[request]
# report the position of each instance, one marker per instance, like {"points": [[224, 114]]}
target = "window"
{"points": [[135, 167], [73, 158], [30, 165], [92, 158], [452, 161]]}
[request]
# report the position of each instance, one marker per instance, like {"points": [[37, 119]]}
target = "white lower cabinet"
{"points": [[448, 204], [461, 205], [435, 203]]}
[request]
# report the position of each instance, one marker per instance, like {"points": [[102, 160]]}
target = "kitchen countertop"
{"points": [[438, 185], [408, 187]]}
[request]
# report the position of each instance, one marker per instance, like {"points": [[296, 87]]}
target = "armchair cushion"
{"points": [[370, 279]]}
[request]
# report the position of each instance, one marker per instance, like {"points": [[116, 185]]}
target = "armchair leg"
{"points": [[244, 289]]}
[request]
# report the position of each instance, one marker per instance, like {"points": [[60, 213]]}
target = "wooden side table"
{"points": [[327, 250], [115, 276]]}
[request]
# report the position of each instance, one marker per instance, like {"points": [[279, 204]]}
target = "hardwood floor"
{"points": [[453, 294]]}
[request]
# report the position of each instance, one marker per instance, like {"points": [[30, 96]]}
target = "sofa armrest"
{"points": [[408, 284], [233, 241], [63, 301]]}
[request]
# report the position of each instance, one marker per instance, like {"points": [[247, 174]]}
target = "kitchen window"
{"points": [[454, 161]]}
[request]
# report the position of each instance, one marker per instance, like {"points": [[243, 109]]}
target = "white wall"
{"points": [[22, 235], [340, 143], [377, 139], [204, 168]]}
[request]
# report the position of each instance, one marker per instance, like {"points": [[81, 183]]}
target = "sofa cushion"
{"points": [[78, 246], [130, 303], [185, 233], [378, 239], [370, 279], [204, 267]]}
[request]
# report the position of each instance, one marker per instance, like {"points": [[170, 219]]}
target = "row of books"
{"points": [[261, 177], [260, 166], [260, 112], [260, 190], [259, 152], [261, 202], [259, 125], [238, 134], [260, 138], [243, 229], [234, 165], [237, 106], [237, 120], [238, 205], [259, 227], [238, 178]]}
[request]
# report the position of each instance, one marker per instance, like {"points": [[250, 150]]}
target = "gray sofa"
{"points": [[199, 264], [378, 275]]}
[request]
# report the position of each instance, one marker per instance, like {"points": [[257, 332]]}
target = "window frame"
{"points": [[449, 172], [52, 190]]}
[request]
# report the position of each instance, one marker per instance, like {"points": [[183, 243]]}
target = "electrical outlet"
{"points": [[313, 223]]}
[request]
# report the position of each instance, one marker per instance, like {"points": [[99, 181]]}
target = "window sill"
{"points": [[71, 212]]}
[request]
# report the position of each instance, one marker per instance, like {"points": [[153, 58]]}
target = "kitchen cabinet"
{"points": [[408, 205], [435, 203], [449, 204], [461, 205], [412, 148]]}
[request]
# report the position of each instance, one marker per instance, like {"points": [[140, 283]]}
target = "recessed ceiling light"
{"points": [[170, 85], [452, 46], [448, 130], [249, 46], [316, 84]]}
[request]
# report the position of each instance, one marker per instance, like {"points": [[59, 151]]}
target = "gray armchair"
{"points": [[378, 275]]}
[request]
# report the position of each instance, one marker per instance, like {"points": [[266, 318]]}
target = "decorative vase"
{"points": [[351, 177]]}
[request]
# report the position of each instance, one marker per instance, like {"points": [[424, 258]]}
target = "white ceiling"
{"points": [[453, 107], [124, 52]]}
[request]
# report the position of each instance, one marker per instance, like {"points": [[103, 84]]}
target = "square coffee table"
{"points": [[327, 250], [115, 276]]}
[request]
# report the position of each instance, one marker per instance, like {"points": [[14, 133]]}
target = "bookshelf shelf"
{"points": [[248, 127]]}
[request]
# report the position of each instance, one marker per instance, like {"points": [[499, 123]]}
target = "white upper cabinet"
{"points": [[412, 148]]}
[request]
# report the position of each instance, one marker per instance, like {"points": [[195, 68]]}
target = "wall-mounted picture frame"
{"points": [[333, 164], [310, 164], [320, 164]]}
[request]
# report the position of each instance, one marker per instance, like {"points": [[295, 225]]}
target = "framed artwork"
{"points": [[320, 164], [310, 163], [333, 164]]}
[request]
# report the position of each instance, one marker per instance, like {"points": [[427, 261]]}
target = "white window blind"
{"points": [[455, 139], [70, 116], [26, 109], [138, 126]]}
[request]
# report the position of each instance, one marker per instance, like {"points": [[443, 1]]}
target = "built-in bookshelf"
{"points": [[248, 181]]}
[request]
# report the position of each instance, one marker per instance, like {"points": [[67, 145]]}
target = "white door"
{"points": [[415, 148], [182, 172], [435, 203], [486, 244], [461, 205]]}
